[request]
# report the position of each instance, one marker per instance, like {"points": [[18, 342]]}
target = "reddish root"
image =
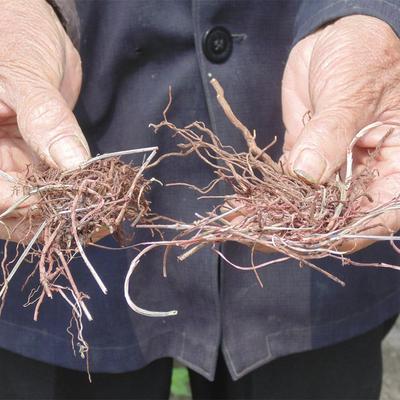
{"points": [[76, 206]]}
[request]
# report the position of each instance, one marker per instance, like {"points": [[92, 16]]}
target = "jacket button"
{"points": [[217, 44]]}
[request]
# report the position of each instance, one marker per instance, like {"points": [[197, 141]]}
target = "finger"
{"points": [[18, 229], [348, 90], [99, 233], [381, 194], [49, 127], [379, 135], [16, 161], [381, 228], [72, 79], [295, 112], [15, 199], [296, 102], [6, 113], [378, 151], [322, 145], [236, 219]]}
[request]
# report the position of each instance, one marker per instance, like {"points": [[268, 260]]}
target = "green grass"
{"points": [[180, 387]]}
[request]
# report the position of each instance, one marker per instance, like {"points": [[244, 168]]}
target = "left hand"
{"points": [[347, 75], [40, 79]]}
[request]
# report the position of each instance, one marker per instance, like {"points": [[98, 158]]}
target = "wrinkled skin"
{"points": [[347, 75], [40, 79]]}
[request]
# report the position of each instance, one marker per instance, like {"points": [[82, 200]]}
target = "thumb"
{"points": [[321, 148], [49, 127]]}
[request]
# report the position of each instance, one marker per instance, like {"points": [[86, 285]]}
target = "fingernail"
{"points": [[310, 166], [68, 152]]}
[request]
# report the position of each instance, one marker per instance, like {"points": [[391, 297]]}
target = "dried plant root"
{"points": [[76, 207], [269, 208]]}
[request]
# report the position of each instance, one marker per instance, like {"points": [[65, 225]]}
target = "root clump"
{"points": [[269, 208], [77, 208], [79, 204]]}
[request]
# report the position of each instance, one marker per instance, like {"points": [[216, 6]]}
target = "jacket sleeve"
{"points": [[313, 14], [68, 15]]}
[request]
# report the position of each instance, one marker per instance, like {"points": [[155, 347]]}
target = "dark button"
{"points": [[217, 44]]}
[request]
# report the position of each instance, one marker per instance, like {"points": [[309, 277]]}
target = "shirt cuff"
{"points": [[315, 13]]}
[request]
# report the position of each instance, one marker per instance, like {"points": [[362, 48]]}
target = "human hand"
{"points": [[40, 79], [347, 76]]}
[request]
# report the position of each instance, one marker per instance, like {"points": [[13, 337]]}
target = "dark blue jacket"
{"points": [[131, 52]]}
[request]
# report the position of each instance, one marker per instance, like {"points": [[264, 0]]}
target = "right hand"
{"points": [[40, 80]]}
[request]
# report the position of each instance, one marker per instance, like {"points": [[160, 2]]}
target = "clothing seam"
{"points": [[205, 85], [249, 368], [183, 343], [194, 367], [66, 341], [274, 334], [178, 355]]}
